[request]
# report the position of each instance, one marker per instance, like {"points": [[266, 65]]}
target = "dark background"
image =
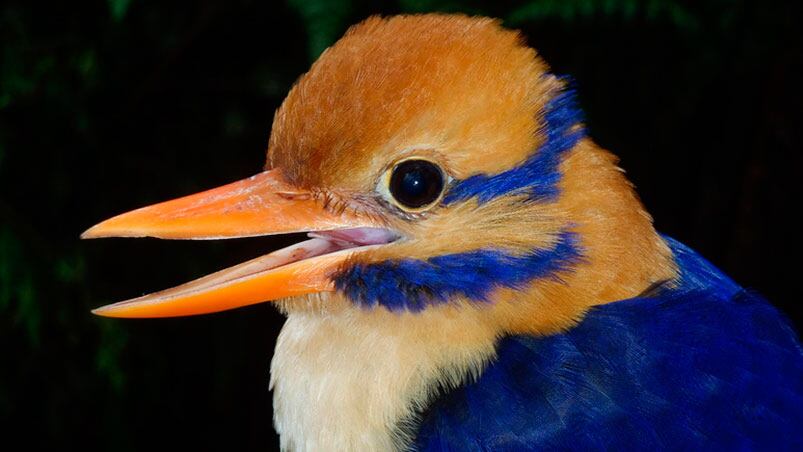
{"points": [[110, 105]]}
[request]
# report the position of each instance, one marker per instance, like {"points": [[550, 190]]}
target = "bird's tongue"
{"points": [[320, 243], [297, 269], [264, 204], [350, 238]]}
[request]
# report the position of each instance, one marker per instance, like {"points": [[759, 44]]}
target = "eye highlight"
{"points": [[415, 184]]}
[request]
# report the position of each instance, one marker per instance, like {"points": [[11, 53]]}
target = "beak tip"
{"points": [[104, 311], [97, 231], [99, 310], [108, 229]]}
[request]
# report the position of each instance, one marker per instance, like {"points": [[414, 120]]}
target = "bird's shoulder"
{"points": [[701, 363]]}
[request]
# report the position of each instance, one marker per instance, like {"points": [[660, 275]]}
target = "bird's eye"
{"points": [[415, 183]]}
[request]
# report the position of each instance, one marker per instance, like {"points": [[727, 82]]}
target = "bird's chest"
{"points": [[336, 390], [342, 385]]}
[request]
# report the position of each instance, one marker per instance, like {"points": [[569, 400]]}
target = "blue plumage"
{"points": [[412, 284], [697, 363], [701, 365], [539, 175]]}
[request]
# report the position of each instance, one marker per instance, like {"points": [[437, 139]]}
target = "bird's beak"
{"points": [[261, 205]]}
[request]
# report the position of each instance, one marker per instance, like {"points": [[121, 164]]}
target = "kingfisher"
{"points": [[479, 274]]}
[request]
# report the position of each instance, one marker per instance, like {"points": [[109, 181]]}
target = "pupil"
{"points": [[416, 183]]}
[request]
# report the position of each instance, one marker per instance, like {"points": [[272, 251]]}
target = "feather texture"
{"points": [[412, 284], [703, 364], [539, 174]]}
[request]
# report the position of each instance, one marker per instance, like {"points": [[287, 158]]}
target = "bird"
{"points": [[479, 274]]}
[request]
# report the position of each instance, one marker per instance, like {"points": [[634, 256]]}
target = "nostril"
{"points": [[296, 196]]}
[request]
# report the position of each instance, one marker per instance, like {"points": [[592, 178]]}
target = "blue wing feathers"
{"points": [[704, 364]]}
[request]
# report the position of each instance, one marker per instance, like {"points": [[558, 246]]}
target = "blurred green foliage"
{"points": [[324, 21], [101, 102], [570, 10], [118, 8]]}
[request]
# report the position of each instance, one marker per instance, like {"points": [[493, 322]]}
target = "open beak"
{"points": [[261, 205]]}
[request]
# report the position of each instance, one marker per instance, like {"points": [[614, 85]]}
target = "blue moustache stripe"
{"points": [[412, 284]]}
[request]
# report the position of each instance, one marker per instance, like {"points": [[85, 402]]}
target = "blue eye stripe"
{"points": [[539, 175], [414, 284]]}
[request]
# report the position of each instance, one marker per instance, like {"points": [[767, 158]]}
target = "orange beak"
{"points": [[261, 205]]}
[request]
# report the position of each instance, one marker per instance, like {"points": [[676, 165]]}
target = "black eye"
{"points": [[416, 183]]}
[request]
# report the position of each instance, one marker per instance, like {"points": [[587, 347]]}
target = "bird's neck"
{"points": [[351, 379], [621, 253], [354, 380]]}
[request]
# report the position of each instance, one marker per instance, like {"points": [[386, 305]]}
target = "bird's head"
{"points": [[435, 162]]}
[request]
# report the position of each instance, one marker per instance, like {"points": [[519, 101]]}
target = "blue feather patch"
{"points": [[704, 365], [412, 284], [539, 175]]}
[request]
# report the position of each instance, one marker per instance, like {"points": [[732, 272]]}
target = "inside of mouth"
{"points": [[319, 244]]}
